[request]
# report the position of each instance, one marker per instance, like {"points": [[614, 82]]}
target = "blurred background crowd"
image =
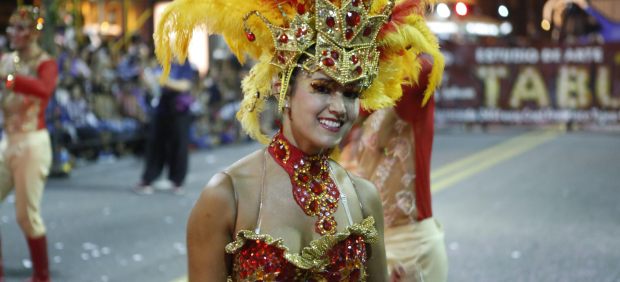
{"points": [[107, 93]]}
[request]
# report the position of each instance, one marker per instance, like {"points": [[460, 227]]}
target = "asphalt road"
{"points": [[516, 205]]}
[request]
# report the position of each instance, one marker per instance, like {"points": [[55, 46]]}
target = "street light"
{"points": [[443, 11], [461, 9], [502, 10]]}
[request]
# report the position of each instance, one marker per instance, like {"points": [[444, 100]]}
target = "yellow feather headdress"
{"points": [[370, 42]]}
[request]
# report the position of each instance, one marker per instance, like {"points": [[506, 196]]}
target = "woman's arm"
{"points": [[371, 203], [42, 85], [209, 229], [178, 85]]}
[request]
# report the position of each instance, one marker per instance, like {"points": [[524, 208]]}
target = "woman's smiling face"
{"points": [[321, 111]]}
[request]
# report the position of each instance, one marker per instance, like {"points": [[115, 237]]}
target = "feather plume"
{"points": [[413, 35], [174, 30], [257, 88], [400, 12]]}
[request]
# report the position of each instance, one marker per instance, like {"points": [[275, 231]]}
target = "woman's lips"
{"points": [[332, 125]]}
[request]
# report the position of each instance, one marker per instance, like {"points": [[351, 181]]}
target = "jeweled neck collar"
{"points": [[314, 190]]}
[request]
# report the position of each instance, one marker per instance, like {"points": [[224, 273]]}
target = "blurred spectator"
{"points": [[83, 123], [168, 139]]}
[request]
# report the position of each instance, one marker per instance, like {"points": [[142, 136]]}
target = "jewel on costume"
{"points": [[250, 36], [353, 18]]}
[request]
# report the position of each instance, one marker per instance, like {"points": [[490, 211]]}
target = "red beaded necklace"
{"points": [[314, 189]]}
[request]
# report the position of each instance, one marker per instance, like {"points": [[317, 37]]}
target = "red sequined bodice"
{"points": [[339, 257]]}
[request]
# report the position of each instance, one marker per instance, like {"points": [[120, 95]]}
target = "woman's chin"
{"points": [[330, 142]]}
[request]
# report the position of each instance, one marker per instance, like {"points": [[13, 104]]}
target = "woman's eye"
{"points": [[320, 88], [352, 94]]}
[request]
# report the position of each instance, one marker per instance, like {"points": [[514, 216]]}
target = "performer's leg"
{"points": [[6, 178], [155, 152], [6, 185], [30, 170], [179, 146], [435, 262], [40, 262], [419, 249]]}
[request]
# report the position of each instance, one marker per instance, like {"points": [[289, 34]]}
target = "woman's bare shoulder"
{"points": [[368, 194], [222, 184], [223, 191], [217, 195], [248, 165]]}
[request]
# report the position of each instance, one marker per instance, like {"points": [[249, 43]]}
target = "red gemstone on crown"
{"points": [[324, 53], [250, 36], [348, 34], [358, 70], [330, 21], [335, 55], [299, 32], [354, 59], [356, 3], [367, 31], [328, 62], [281, 59], [284, 38], [353, 18]]}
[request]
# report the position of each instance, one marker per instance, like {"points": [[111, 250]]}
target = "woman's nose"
{"points": [[336, 104]]}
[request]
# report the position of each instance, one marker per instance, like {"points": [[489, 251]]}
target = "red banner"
{"points": [[533, 84]]}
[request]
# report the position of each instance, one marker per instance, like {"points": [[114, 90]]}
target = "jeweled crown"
{"points": [[341, 41]]}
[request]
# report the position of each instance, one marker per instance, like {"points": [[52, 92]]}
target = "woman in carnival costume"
{"points": [[30, 76], [288, 212], [393, 151]]}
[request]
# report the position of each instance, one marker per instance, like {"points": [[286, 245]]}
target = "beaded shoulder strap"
{"points": [[259, 220], [354, 188]]}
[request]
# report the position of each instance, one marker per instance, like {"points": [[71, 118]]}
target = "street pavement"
{"points": [[517, 204]]}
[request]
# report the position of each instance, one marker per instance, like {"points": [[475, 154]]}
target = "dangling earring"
{"points": [[287, 109]]}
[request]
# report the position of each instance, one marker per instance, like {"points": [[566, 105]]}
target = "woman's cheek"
{"points": [[353, 110]]}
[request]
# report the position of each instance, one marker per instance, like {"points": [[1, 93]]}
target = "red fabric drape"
{"points": [[410, 109]]}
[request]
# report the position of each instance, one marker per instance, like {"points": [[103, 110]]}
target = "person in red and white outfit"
{"points": [[29, 76], [393, 150]]}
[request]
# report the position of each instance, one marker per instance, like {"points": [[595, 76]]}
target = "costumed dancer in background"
{"points": [[393, 150], [30, 76], [288, 212]]}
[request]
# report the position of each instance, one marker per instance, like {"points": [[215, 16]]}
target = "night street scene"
{"points": [[310, 140]]}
